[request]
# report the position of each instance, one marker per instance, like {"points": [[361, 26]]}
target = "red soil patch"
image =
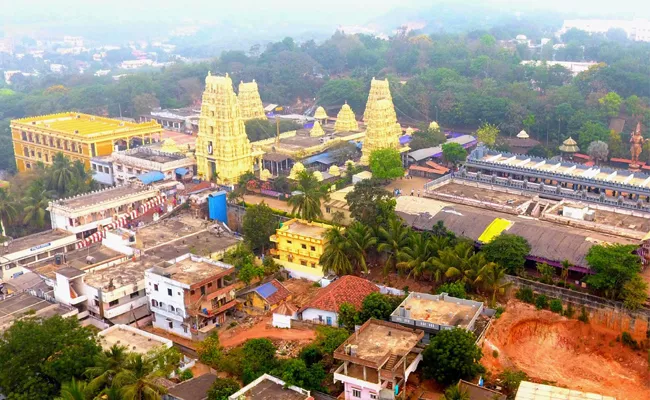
{"points": [[263, 329], [565, 352]]}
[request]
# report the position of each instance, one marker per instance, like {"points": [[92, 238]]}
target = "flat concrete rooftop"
{"points": [[76, 259], [169, 229], [481, 194], [133, 339], [193, 270], [90, 199], [269, 390], [376, 339], [615, 219], [17, 306], [154, 155], [304, 229], [27, 242], [204, 244], [439, 311], [120, 275], [302, 140]]}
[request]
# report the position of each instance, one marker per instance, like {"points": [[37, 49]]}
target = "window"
{"points": [[134, 294], [172, 309], [47, 157], [313, 248], [171, 325], [96, 303], [155, 287], [209, 284], [313, 265], [210, 147], [202, 290], [289, 242], [373, 396], [28, 165], [169, 292], [192, 291], [154, 303], [113, 303], [303, 262], [304, 246], [185, 328], [328, 209], [356, 393]]}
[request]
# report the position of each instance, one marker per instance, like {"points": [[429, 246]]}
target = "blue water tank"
{"points": [[218, 206]]}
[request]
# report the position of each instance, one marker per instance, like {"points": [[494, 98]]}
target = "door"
{"points": [[328, 321]]}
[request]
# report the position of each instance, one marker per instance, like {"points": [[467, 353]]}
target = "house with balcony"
{"points": [[299, 245], [190, 295], [377, 360], [435, 312]]}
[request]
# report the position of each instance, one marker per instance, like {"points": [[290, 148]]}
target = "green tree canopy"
{"points": [[370, 203], [452, 355], [259, 358], [613, 266], [507, 250], [258, 226], [488, 133], [386, 164], [348, 316], [222, 388], [378, 306], [453, 153]]}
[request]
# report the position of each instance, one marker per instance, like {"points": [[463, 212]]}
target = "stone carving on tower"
{"points": [[250, 102], [380, 133], [636, 145], [345, 120], [379, 90], [223, 151]]}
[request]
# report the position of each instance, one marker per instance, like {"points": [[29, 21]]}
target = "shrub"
{"points": [[569, 311], [316, 284], [584, 317], [500, 311], [185, 375], [454, 289], [541, 302], [232, 324], [556, 306], [495, 354], [627, 340], [526, 295]]}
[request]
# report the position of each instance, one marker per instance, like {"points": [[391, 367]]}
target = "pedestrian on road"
{"points": [[412, 192], [418, 192]]}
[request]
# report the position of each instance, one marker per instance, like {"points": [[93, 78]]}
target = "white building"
{"points": [[102, 168], [102, 72], [191, 296], [636, 29], [573, 66], [129, 164], [135, 64]]}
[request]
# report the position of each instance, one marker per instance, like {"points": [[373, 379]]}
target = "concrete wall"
{"points": [[281, 321], [312, 314]]}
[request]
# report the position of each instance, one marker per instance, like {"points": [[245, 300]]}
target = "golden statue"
{"points": [[637, 144]]}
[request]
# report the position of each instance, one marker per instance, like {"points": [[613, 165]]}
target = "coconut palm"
{"points": [[73, 390], [8, 211], [308, 201], [61, 174], [416, 257], [492, 277], [335, 257], [107, 364], [456, 393], [454, 262], [393, 240], [83, 180], [564, 274], [360, 239], [35, 204], [137, 381]]}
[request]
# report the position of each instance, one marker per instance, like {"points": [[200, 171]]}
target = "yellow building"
{"points": [[250, 103], [299, 245], [77, 136], [222, 147], [381, 132]]}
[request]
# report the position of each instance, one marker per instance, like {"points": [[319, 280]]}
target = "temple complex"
{"points": [[320, 115], [379, 90], [381, 132], [317, 130], [250, 103], [222, 147], [345, 120]]}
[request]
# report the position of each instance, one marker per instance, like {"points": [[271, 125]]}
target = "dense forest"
{"points": [[462, 81]]}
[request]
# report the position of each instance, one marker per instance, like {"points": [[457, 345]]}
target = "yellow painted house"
{"points": [[299, 245], [78, 136]]}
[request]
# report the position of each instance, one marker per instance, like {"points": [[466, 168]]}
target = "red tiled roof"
{"points": [[281, 294], [286, 308], [347, 289], [437, 166], [580, 155]]}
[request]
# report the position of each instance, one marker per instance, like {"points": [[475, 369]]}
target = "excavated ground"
{"points": [[566, 352]]}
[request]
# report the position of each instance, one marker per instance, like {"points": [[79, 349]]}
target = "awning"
{"points": [[181, 171], [151, 176], [323, 158]]}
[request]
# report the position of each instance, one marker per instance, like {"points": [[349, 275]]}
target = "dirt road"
{"points": [[262, 329], [565, 352]]}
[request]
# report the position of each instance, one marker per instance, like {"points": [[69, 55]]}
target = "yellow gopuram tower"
{"points": [[250, 102], [222, 147], [379, 90], [380, 133], [345, 120]]}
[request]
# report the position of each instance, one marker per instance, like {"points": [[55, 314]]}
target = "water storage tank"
{"points": [[218, 206]]}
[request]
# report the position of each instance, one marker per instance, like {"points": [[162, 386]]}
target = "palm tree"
{"points": [[83, 180], [335, 256], [61, 175], [8, 210], [393, 240], [360, 239], [73, 390], [492, 277], [307, 202], [456, 393], [35, 204], [416, 257], [111, 393], [107, 364], [454, 261], [564, 275], [137, 380]]}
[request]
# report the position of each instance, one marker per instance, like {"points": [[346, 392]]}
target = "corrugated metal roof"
{"points": [[536, 391], [463, 140], [266, 290], [151, 176]]}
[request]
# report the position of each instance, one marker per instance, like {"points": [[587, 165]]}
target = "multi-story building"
{"points": [[128, 164], [85, 214], [269, 387], [377, 360], [102, 168], [435, 312], [179, 120], [77, 136], [190, 297], [299, 245], [20, 253]]}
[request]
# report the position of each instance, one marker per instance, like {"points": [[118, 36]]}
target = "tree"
{"points": [[547, 272], [8, 211], [258, 226], [634, 293], [429, 137], [454, 289], [452, 355], [370, 203], [308, 202], [598, 151], [591, 132], [453, 153], [250, 271], [296, 372], [492, 276], [329, 338], [633, 106], [392, 241], [375, 305], [61, 175], [386, 164], [487, 133], [145, 103], [348, 316], [73, 390], [222, 388], [138, 379], [611, 104], [564, 274], [456, 393], [209, 350], [35, 204], [613, 266], [64, 351], [615, 144], [507, 250], [416, 257], [335, 92], [335, 256], [259, 358], [529, 121], [107, 364]]}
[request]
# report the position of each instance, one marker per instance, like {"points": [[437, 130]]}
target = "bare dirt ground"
{"points": [[271, 202], [405, 185], [566, 353], [263, 329]]}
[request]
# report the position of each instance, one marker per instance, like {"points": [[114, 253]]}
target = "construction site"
{"points": [[565, 352]]}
